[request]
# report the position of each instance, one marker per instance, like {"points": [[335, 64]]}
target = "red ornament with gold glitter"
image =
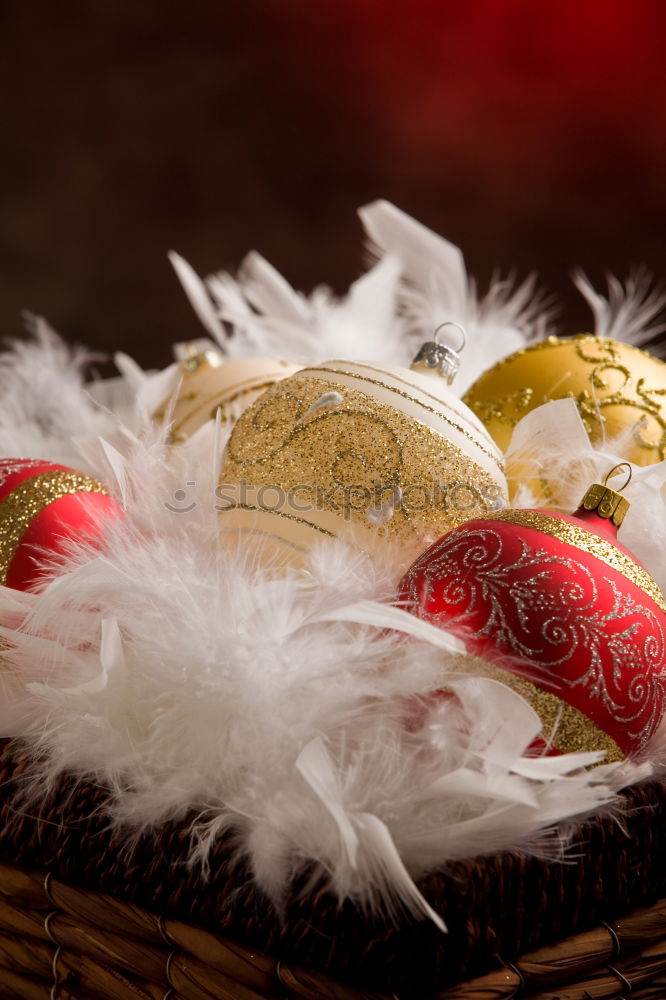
{"points": [[557, 608], [42, 507]]}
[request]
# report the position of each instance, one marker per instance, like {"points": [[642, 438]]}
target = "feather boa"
{"points": [[297, 711]]}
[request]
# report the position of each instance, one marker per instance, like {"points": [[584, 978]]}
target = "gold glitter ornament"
{"points": [[618, 389], [210, 384], [368, 452]]}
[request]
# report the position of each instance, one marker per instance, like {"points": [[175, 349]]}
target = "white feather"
{"points": [[420, 249], [269, 293], [392, 871], [43, 403], [132, 373], [196, 292], [436, 289], [269, 318], [631, 311], [316, 766], [117, 466]]}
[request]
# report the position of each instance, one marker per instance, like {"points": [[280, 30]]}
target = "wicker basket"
{"points": [[81, 916], [59, 941]]}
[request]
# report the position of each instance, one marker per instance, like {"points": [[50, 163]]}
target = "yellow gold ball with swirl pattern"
{"points": [[371, 453], [618, 389]]}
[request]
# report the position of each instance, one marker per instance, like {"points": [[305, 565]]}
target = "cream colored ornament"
{"points": [[373, 453], [619, 390], [209, 384]]}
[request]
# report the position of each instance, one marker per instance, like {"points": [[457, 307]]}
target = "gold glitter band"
{"points": [[565, 727], [461, 416], [412, 399], [19, 509], [588, 542]]}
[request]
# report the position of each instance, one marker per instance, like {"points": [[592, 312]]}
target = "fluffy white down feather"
{"points": [[290, 709], [44, 405], [436, 288], [258, 313], [632, 312]]}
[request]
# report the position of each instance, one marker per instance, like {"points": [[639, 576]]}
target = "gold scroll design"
{"points": [[649, 430], [509, 409], [356, 455], [20, 507]]}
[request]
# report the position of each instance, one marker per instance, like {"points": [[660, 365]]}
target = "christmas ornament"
{"points": [[210, 384], [561, 611], [362, 451], [42, 506], [618, 388]]}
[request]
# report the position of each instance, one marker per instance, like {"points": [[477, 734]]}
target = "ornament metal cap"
{"points": [[444, 359], [193, 354], [606, 502]]}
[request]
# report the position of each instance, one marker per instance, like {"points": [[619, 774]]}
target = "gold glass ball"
{"points": [[618, 389], [227, 386], [372, 454]]}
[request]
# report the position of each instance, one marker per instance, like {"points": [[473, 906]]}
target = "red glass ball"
{"points": [[42, 507], [555, 600]]}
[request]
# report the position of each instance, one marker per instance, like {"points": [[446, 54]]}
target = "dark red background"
{"points": [[532, 134]]}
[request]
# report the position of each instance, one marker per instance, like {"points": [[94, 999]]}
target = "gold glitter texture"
{"points": [[616, 387], [564, 726], [28, 499], [434, 410], [356, 456], [586, 541]]}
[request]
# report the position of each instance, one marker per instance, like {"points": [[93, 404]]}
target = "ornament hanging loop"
{"points": [[445, 359], [614, 472], [606, 501], [458, 326]]}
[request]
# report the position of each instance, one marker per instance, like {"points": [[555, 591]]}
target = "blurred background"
{"points": [[532, 135]]}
